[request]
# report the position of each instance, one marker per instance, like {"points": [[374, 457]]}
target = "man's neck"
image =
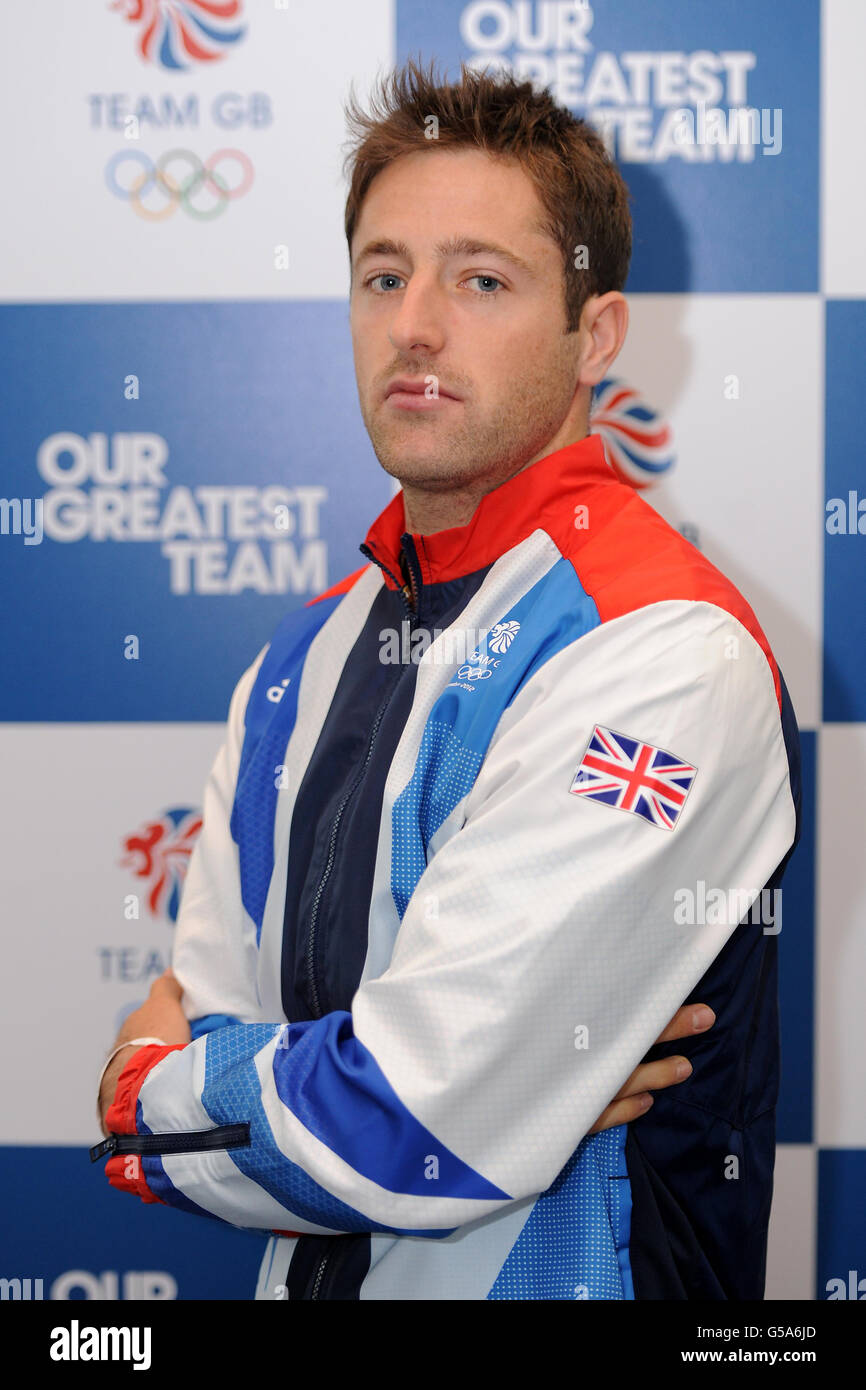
{"points": [[427, 512]]}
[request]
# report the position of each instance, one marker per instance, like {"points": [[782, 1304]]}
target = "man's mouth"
{"points": [[417, 393]]}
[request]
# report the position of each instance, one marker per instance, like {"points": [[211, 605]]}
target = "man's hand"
{"points": [[633, 1100], [160, 1016]]}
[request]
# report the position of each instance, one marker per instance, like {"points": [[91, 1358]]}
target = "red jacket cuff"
{"points": [[124, 1171], [120, 1115]]}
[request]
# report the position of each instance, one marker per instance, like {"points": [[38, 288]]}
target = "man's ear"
{"points": [[604, 324]]}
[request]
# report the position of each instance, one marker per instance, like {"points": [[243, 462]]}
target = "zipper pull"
{"points": [[403, 588], [107, 1146], [409, 591]]}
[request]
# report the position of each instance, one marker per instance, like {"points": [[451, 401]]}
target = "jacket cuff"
{"points": [[125, 1171], [120, 1115]]}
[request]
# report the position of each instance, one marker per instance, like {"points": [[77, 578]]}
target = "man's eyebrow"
{"points": [[443, 250]]}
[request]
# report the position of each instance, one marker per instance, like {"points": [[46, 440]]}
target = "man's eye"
{"points": [[491, 279], [384, 275]]}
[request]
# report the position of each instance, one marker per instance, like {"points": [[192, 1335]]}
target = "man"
{"points": [[433, 922]]}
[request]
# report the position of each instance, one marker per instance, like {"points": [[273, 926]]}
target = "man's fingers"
{"points": [[655, 1076], [688, 1020], [633, 1099], [622, 1112]]}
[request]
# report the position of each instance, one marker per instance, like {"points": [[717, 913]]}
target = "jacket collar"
{"points": [[542, 496]]}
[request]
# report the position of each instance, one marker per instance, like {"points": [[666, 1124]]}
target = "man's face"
{"points": [[489, 330]]}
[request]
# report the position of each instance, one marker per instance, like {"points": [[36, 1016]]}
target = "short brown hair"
{"points": [[583, 193]]}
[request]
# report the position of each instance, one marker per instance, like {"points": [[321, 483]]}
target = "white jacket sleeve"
{"points": [[539, 957], [214, 954]]}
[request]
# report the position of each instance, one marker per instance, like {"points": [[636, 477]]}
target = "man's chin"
{"points": [[416, 460], [428, 470]]}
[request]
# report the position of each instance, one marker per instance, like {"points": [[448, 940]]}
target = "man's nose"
{"points": [[419, 321]]}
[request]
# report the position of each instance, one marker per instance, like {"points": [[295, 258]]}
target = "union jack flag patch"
{"points": [[633, 776]]}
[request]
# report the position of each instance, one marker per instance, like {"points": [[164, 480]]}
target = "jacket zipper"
{"points": [[411, 554], [332, 849], [365, 550], [185, 1142], [319, 1274], [335, 828], [311, 940], [409, 596], [333, 1256]]}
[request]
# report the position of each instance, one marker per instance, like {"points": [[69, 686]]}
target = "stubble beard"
{"points": [[490, 449]]}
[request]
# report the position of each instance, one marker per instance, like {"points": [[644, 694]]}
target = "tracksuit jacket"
{"points": [[486, 814]]}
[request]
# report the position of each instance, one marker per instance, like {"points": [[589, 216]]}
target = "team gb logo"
{"points": [[502, 635]]}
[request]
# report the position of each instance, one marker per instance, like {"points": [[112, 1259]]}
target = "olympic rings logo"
{"points": [[179, 192], [474, 673]]}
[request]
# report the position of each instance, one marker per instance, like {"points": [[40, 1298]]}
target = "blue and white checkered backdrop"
{"points": [[176, 360]]}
